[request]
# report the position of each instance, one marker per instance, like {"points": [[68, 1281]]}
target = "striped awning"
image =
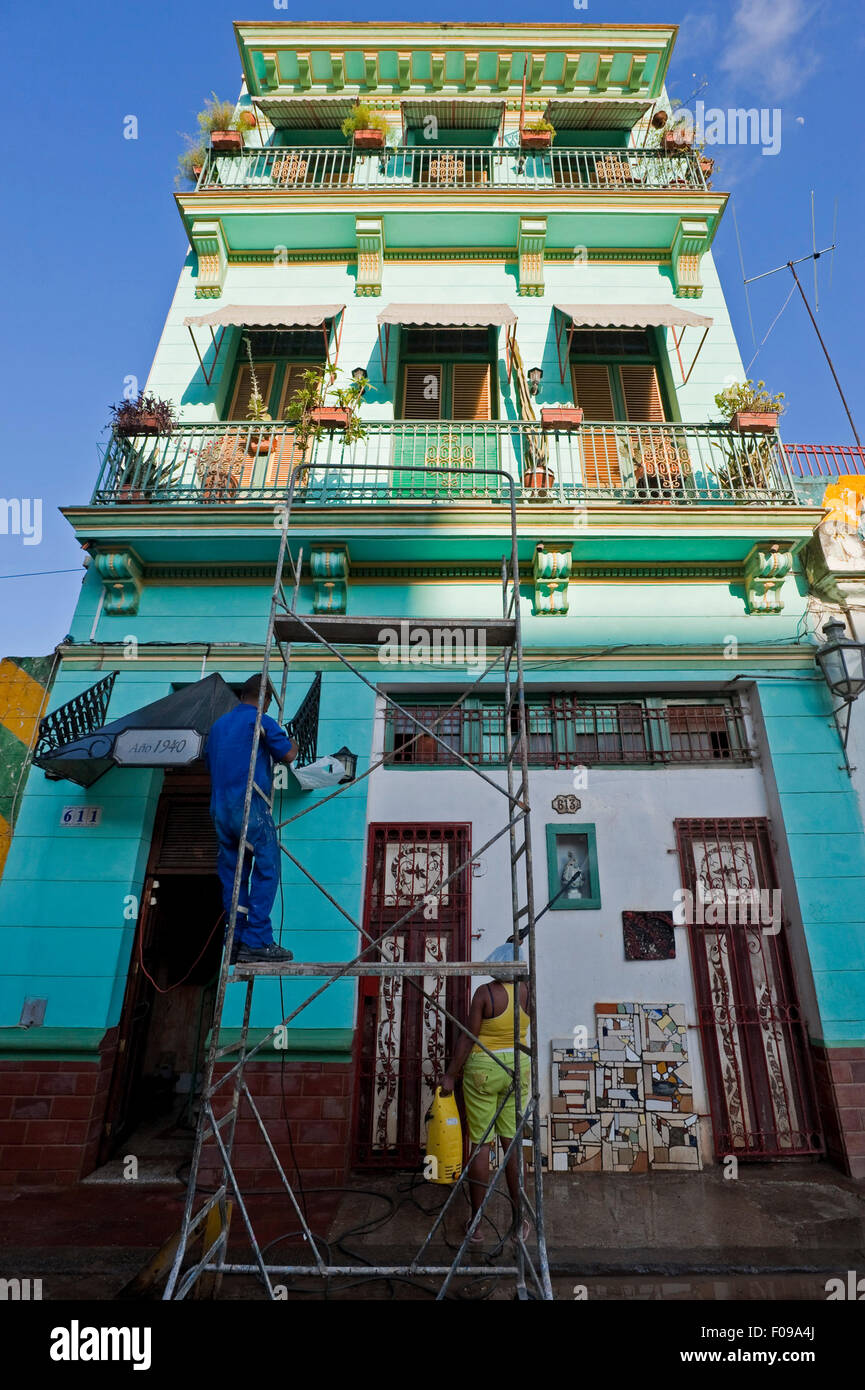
{"points": [[632, 316], [596, 113], [326, 111], [448, 315], [454, 113], [266, 316]]}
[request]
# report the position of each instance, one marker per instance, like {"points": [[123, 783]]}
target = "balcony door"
{"points": [[445, 400], [267, 457]]}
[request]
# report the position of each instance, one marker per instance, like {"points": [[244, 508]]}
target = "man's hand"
{"points": [[292, 752]]}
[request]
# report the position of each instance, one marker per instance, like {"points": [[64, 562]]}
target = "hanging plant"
{"points": [[146, 414]]}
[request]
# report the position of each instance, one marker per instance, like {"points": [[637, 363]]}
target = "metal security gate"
{"points": [[755, 1046], [403, 1041]]}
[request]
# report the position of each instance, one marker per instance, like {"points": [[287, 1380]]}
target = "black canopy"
{"points": [[196, 707]]}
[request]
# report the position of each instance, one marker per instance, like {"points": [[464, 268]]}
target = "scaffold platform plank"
{"points": [[498, 970], [362, 630]]}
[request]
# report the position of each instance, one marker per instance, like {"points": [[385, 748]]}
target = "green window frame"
{"points": [[591, 900]]}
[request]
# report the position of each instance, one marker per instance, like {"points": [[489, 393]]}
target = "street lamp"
{"points": [[349, 762], [535, 375], [842, 662], [360, 376]]}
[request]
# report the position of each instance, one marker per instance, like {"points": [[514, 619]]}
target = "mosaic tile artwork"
{"points": [[625, 1103], [649, 936], [664, 1028], [623, 1143], [674, 1142]]}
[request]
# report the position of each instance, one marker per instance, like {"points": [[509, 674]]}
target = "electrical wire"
{"points": [[149, 977]]}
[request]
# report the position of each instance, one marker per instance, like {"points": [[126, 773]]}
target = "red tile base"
{"points": [[51, 1117], [305, 1107], [840, 1077]]}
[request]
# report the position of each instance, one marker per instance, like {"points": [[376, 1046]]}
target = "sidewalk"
{"points": [[777, 1231]]}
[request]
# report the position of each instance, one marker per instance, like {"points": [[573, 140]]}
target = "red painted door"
{"points": [[754, 1040], [415, 884]]}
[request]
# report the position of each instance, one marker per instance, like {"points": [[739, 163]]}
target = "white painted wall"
{"points": [[581, 958]]}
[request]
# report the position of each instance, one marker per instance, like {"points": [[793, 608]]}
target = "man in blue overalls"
{"points": [[229, 746]]}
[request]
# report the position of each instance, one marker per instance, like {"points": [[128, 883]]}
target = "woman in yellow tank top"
{"points": [[485, 1084]]}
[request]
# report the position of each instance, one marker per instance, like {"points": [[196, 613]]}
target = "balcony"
{"points": [[413, 168], [448, 462]]}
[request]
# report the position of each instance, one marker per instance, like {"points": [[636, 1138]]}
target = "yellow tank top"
{"points": [[498, 1033]]}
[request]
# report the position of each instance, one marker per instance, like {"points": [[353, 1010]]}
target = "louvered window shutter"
{"points": [[641, 392], [423, 393], [243, 389], [471, 391], [187, 839], [592, 391]]}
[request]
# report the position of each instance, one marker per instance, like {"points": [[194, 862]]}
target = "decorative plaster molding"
{"points": [[329, 567], [530, 255], [271, 71], [551, 568], [370, 255], [689, 244], [766, 568], [121, 574], [209, 246]]}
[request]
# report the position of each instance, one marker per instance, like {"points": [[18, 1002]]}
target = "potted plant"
{"points": [[561, 417], [750, 408], [146, 414], [191, 162], [538, 135], [539, 478], [677, 138], [366, 127], [246, 120], [218, 121], [313, 412], [260, 442]]}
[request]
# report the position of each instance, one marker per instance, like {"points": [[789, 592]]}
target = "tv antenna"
{"points": [[790, 265]]}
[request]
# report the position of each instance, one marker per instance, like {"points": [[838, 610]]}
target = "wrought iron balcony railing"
{"points": [[444, 461], [824, 460], [418, 168]]}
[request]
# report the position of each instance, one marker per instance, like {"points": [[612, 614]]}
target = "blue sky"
{"points": [[93, 243]]}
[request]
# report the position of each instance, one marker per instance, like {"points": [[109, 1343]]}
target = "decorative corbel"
{"points": [[569, 71], [470, 73], [530, 255], [337, 71], [535, 71], [635, 76], [370, 70], [304, 71], [208, 244], [271, 70], [766, 568], [551, 568], [503, 75], [689, 244], [437, 71], [120, 572], [329, 567], [369, 232], [602, 76], [403, 70]]}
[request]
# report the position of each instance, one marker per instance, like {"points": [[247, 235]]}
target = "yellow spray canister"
{"points": [[444, 1141]]}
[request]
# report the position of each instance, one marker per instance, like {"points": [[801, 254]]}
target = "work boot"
{"points": [[264, 955]]}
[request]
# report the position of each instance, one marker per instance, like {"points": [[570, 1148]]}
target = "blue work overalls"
{"points": [[229, 745]]}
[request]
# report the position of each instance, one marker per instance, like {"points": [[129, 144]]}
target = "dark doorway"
{"points": [[168, 1007]]}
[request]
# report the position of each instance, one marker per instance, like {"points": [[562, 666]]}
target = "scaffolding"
{"points": [[206, 1215]]}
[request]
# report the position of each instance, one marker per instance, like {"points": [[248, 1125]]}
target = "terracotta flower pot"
{"points": [[330, 417], [226, 141], [196, 170], [261, 443], [247, 120], [539, 479], [753, 422], [369, 139], [129, 496], [561, 417], [706, 166], [536, 139], [675, 144]]}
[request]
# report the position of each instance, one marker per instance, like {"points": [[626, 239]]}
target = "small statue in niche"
{"points": [[571, 877]]}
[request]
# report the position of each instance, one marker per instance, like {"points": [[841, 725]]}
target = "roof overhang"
{"points": [[596, 113], [570, 317], [444, 316], [326, 317]]}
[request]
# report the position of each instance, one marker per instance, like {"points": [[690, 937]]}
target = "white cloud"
{"points": [[765, 43]]}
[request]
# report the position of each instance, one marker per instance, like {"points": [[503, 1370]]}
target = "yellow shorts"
{"points": [[484, 1085]]}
